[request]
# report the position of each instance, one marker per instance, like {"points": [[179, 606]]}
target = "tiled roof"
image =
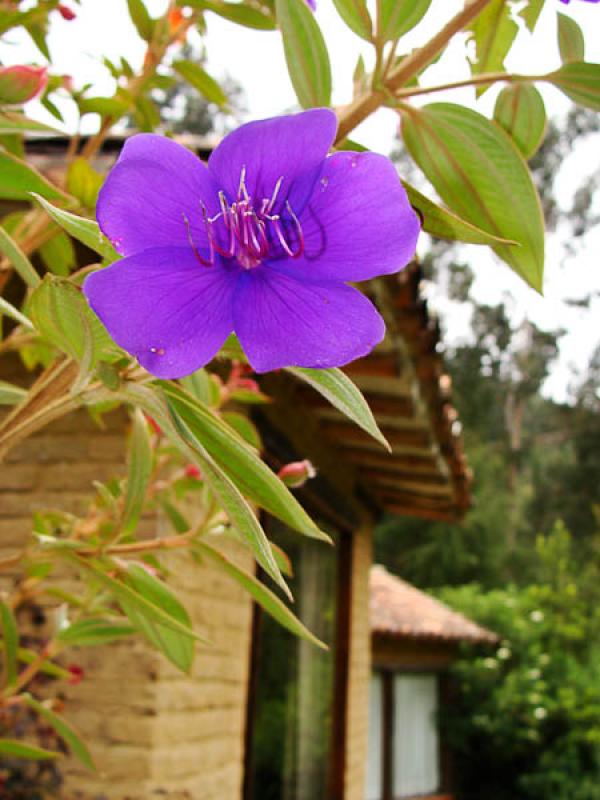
{"points": [[399, 609]]}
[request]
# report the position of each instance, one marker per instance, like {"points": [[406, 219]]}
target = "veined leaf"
{"points": [[305, 53], [144, 24], [341, 392], [14, 748], [66, 732], [18, 259], [356, 16], [494, 31], [94, 631], [570, 39], [199, 78], [139, 459], [400, 16], [239, 13], [84, 230], [105, 106], [478, 172], [521, 112], [58, 254], [580, 81], [10, 638], [18, 180], [245, 427], [261, 594]]}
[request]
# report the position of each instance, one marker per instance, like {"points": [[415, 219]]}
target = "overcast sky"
{"points": [[255, 60]]}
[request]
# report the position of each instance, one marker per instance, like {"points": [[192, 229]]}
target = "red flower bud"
{"points": [[21, 83], [297, 473], [76, 674], [192, 471], [66, 13]]}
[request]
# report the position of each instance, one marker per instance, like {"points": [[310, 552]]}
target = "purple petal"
{"points": [[282, 322], [146, 195], [358, 223], [165, 308], [270, 149]]}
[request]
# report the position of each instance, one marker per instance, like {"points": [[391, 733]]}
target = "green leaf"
{"points": [[62, 315], [305, 53], [570, 39], [11, 395], [18, 259], [144, 24], [531, 12], [203, 386], [340, 391], [18, 180], [10, 637], [66, 732], [241, 463], [239, 13], [9, 310], [478, 172], [244, 427], [580, 81], [444, 224], [400, 16], [94, 631], [261, 594], [84, 230], [14, 122], [356, 16], [521, 112], [494, 31], [14, 748], [58, 254], [138, 472], [83, 182], [199, 78], [105, 106], [27, 656]]}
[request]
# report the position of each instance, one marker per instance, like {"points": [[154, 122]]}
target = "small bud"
{"points": [[295, 474], [66, 12], [175, 18], [192, 471], [20, 84], [76, 674]]}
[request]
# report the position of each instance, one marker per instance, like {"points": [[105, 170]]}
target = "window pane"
{"points": [[416, 768], [294, 702], [375, 751]]}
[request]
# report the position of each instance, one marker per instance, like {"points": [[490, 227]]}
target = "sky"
{"points": [[255, 60]]}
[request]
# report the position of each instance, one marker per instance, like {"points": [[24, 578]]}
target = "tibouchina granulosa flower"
{"points": [[262, 241]]}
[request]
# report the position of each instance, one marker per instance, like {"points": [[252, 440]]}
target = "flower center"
{"points": [[247, 233]]}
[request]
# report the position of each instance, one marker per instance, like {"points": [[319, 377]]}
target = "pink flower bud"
{"points": [[21, 83], [66, 13], [76, 674], [192, 471], [296, 473]]}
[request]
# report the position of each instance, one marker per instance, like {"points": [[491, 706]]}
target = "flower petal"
{"points": [[358, 223], [270, 149], [166, 309], [282, 322], [147, 193]]}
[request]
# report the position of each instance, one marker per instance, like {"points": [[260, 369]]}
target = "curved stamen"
{"points": [[195, 250]]}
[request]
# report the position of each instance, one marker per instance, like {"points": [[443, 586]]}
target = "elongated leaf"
{"points": [[580, 81], [142, 20], [84, 230], [245, 427], [66, 731], [105, 106], [531, 12], [9, 310], [18, 259], [356, 16], [479, 173], [261, 594], [239, 13], [397, 18], [250, 474], [521, 112], [61, 314], [341, 392], [18, 180], [444, 224], [11, 395], [494, 31], [58, 254], [13, 122], [177, 646], [10, 638], [14, 748], [199, 78], [138, 472], [570, 39], [94, 631], [305, 53]]}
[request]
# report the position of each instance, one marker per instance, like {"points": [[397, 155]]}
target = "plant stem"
{"points": [[370, 101]]}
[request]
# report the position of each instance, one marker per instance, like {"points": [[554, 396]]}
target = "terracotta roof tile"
{"points": [[399, 609]]}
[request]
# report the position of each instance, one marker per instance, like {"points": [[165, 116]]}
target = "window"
{"points": [[403, 756], [291, 724]]}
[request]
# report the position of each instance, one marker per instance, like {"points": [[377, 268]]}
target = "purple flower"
{"points": [[585, 1], [262, 241]]}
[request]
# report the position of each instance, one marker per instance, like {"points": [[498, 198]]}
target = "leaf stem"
{"points": [[477, 80]]}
